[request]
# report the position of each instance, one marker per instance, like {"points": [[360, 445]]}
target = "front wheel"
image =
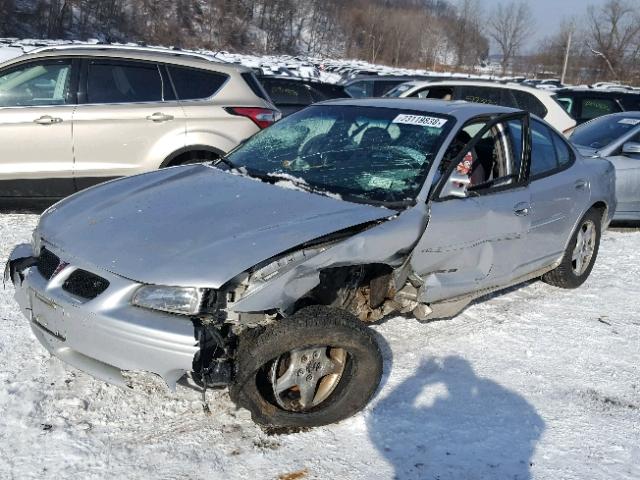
{"points": [[581, 253], [317, 367]]}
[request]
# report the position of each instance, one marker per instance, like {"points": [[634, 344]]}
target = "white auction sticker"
{"points": [[422, 120], [630, 121]]}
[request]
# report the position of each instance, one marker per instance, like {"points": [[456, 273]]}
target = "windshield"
{"points": [[366, 154], [602, 131]]}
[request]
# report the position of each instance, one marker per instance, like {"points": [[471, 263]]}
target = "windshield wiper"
{"points": [[224, 160]]}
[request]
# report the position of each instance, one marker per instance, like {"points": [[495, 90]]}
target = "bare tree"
{"points": [[465, 33], [509, 26], [615, 35]]}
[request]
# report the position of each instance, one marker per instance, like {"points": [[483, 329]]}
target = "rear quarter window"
{"points": [[194, 84]]}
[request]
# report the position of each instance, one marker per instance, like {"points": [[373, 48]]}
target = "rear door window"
{"points": [[543, 151], [195, 84], [123, 82]]}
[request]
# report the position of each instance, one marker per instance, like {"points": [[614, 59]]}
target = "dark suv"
{"points": [[587, 104]]}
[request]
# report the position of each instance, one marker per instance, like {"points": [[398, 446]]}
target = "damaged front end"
{"points": [[106, 324]]}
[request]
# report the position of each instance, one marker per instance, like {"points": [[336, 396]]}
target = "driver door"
{"points": [[479, 211], [36, 108]]}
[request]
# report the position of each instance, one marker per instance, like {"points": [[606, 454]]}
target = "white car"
{"points": [[539, 102]]}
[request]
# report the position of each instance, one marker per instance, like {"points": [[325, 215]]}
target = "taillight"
{"points": [[262, 117]]}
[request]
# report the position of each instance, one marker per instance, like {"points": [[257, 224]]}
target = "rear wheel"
{"points": [[314, 368], [580, 255]]}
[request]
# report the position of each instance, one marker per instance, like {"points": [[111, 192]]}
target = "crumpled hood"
{"points": [[192, 226], [587, 151]]}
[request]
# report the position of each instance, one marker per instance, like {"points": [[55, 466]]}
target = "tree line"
{"points": [[431, 34]]}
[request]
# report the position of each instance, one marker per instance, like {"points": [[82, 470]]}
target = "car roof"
{"points": [[473, 83], [381, 78], [459, 109], [177, 57], [597, 91]]}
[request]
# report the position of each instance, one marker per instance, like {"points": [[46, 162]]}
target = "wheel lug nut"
{"points": [[304, 358], [309, 377], [300, 372], [316, 354]]}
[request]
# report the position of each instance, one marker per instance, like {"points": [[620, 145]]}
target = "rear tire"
{"points": [[322, 351], [581, 253]]}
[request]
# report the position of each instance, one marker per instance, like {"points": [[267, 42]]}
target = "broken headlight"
{"points": [[181, 300], [285, 263]]}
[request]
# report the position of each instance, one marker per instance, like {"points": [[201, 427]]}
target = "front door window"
{"points": [[35, 84]]}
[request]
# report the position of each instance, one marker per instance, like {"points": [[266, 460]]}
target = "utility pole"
{"points": [[566, 56]]}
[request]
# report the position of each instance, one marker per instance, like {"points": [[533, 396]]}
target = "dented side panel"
{"points": [[470, 244]]}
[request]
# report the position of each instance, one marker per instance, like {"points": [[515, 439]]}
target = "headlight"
{"points": [[182, 300]]}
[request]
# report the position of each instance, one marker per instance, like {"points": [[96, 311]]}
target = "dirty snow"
{"points": [[536, 383]]}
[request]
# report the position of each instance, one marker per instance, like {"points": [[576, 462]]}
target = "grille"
{"points": [[85, 284], [47, 263]]}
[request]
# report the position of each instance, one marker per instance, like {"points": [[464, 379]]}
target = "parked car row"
{"points": [[258, 269], [539, 102]]}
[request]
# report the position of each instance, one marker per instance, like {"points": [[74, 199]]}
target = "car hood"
{"points": [[192, 226]]}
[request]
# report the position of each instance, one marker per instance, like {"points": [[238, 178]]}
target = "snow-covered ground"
{"points": [[533, 383]]}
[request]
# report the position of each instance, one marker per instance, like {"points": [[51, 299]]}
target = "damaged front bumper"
{"points": [[105, 335]]}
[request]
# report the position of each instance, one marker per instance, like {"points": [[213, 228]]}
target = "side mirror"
{"points": [[631, 148]]}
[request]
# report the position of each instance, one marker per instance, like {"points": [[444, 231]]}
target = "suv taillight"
{"points": [[262, 117]]}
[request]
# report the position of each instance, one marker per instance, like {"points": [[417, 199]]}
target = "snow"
{"points": [[537, 382]]}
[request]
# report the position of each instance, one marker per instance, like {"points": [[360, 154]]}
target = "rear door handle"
{"points": [[47, 120], [521, 209], [580, 184], [159, 117]]}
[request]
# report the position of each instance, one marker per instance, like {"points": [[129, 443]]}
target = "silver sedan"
{"points": [[260, 272], [616, 138]]}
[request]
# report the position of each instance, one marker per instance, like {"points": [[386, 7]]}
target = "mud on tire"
{"points": [[567, 275], [310, 333]]}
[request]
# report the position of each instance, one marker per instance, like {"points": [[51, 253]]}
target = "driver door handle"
{"points": [[159, 117], [522, 209], [47, 120]]}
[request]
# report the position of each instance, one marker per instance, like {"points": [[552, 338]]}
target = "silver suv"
{"points": [[74, 116]]}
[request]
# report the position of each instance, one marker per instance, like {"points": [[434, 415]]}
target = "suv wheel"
{"points": [[317, 367]]}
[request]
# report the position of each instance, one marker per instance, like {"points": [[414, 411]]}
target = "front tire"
{"points": [[581, 253], [317, 367]]}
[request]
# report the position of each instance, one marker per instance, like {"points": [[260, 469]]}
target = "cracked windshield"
{"points": [[371, 155]]}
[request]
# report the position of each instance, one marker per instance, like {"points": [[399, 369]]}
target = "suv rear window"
{"points": [[283, 92], [194, 84], [123, 82], [596, 107]]}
